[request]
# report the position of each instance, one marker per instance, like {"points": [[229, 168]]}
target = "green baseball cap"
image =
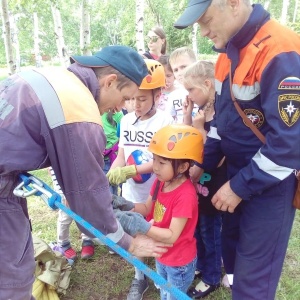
{"points": [[194, 11], [122, 58]]}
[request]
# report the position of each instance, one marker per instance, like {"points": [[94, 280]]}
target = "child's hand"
{"points": [[199, 120], [187, 106], [119, 175], [133, 223], [121, 203]]}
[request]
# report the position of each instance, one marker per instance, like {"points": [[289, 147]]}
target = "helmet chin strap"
{"points": [[149, 111], [175, 166]]}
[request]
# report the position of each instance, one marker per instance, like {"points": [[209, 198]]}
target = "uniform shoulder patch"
{"points": [[290, 83], [255, 116], [289, 108]]}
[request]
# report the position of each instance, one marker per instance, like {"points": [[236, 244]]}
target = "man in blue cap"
{"points": [[257, 79], [52, 118]]}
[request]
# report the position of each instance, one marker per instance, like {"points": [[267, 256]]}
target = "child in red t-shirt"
{"points": [[172, 205]]}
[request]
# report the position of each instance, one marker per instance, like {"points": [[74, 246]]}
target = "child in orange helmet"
{"points": [[172, 205]]}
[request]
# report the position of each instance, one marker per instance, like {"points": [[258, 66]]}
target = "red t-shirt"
{"points": [[179, 203], [156, 57]]}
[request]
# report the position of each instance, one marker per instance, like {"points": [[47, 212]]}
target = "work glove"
{"points": [[121, 174], [121, 203], [133, 223]]}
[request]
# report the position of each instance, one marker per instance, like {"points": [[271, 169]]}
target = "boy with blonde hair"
{"points": [[179, 60]]}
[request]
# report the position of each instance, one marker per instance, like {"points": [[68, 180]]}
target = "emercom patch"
{"points": [[289, 108], [255, 116]]}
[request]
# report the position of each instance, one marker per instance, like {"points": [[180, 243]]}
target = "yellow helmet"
{"points": [[178, 141], [156, 76]]}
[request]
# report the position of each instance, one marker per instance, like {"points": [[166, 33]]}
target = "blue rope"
{"points": [[55, 202], [125, 254]]}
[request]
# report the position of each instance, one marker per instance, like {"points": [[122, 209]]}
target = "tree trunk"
{"points": [[85, 30], [295, 11], [283, 18], [60, 41], [139, 25], [10, 59], [266, 4], [37, 54], [15, 40], [194, 38]]}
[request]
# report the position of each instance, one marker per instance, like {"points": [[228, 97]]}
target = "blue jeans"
{"points": [[208, 235], [180, 277], [113, 188]]}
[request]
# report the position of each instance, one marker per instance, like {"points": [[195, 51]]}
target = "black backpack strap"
{"points": [[148, 55], [154, 197]]}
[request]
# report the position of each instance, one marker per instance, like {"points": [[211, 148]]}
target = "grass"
{"points": [[107, 277]]}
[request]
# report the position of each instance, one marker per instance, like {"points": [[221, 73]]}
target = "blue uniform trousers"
{"points": [[265, 226]]}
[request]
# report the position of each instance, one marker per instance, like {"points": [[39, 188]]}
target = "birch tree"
{"points": [[283, 18], [194, 38], [295, 11], [59, 37], [37, 54], [9, 51], [266, 5], [140, 45], [85, 29], [15, 39]]}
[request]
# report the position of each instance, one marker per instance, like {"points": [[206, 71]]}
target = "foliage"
{"points": [[112, 22], [295, 27]]}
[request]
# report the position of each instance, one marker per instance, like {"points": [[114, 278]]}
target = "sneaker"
{"points": [[198, 275], [201, 290], [54, 246], [62, 250], [87, 250], [137, 289], [225, 281], [110, 251], [70, 253]]}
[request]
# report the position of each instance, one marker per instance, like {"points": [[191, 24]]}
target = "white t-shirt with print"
{"points": [[137, 137], [175, 100]]}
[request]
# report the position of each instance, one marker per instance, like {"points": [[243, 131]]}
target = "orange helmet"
{"points": [[156, 76], [178, 141]]}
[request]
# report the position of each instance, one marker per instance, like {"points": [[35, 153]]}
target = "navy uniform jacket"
{"points": [[265, 61]]}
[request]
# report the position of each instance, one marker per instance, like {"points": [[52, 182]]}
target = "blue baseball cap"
{"points": [[122, 58], [194, 11]]}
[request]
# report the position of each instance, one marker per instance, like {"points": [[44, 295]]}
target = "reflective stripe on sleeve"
{"points": [[245, 92], [213, 133], [270, 167], [218, 86], [47, 96], [242, 93]]}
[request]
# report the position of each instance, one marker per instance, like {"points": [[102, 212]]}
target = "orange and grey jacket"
{"points": [[265, 61], [51, 118]]}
